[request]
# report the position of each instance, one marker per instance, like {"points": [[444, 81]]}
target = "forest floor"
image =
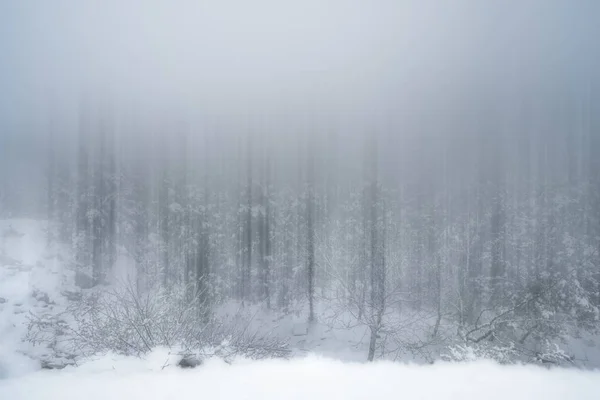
{"points": [[34, 281], [112, 377]]}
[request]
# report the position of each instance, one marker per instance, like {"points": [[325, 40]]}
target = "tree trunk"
{"points": [[310, 239]]}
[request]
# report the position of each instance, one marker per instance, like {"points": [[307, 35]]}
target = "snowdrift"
{"points": [[311, 378], [32, 278]]}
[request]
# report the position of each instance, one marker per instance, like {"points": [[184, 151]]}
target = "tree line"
{"points": [[491, 233]]}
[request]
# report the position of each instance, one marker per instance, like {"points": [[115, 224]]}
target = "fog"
{"points": [[438, 158], [341, 57], [406, 68]]}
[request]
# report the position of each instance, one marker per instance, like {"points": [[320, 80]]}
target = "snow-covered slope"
{"points": [[311, 378], [31, 281], [34, 279]]}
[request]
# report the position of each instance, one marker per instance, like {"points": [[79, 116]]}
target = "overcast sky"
{"points": [[404, 67], [233, 55], [408, 68]]}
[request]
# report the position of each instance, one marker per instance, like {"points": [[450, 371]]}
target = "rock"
{"points": [[58, 360], [189, 362], [2, 300], [54, 364]]}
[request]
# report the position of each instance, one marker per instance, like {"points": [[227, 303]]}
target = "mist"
{"points": [[426, 171]]}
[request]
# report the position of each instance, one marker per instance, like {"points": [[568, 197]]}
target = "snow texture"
{"points": [[31, 280], [300, 329], [314, 378]]}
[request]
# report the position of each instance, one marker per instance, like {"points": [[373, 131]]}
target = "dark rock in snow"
{"points": [[189, 362], [2, 300], [54, 365]]}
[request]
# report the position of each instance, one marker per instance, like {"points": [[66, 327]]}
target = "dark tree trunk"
{"points": [[267, 234], [247, 287], [310, 237], [377, 251], [163, 213], [113, 191], [98, 226], [83, 195], [51, 176]]}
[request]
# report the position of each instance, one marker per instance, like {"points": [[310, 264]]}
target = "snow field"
{"points": [[312, 378]]}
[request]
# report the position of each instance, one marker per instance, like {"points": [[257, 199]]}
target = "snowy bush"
{"points": [[126, 322], [548, 354], [474, 352]]}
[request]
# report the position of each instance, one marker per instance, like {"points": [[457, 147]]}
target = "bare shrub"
{"points": [[130, 323]]}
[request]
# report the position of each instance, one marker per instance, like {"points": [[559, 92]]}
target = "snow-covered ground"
{"points": [[34, 280], [31, 281], [323, 338], [309, 378]]}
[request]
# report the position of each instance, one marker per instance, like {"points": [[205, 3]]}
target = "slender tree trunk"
{"points": [[310, 239], [112, 200], [83, 196], [163, 213], [98, 213], [267, 234], [248, 236], [377, 251], [51, 176]]}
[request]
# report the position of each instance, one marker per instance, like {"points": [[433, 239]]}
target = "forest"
{"points": [[425, 240], [404, 183]]}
